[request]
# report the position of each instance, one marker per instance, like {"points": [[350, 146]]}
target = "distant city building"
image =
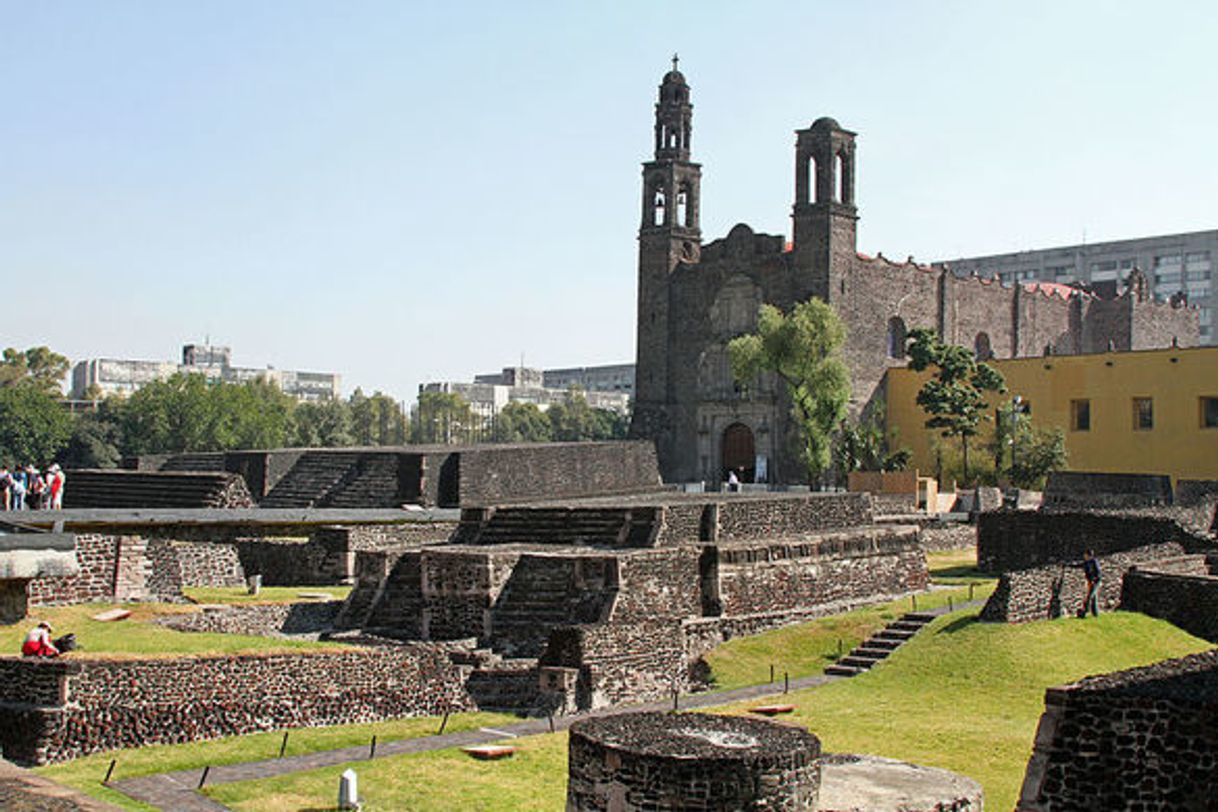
{"points": [[608, 378], [489, 393], [1173, 263], [113, 376]]}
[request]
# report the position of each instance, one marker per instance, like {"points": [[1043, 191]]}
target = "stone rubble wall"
{"points": [[459, 588], [113, 568], [656, 584], [491, 475], [832, 568], [1013, 540], [739, 517], [621, 662], [948, 536], [132, 703], [1182, 591], [1057, 590], [269, 620], [1146, 738], [208, 565]]}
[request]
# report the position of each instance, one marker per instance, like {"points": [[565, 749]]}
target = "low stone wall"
{"points": [[270, 620], [67, 709], [948, 536], [1139, 739], [208, 565], [1072, 490], [1013, 540], [1181, 591], [621, 662], [756, 518], [459, 587], [830, 568], [113, 568], [1057, 590]]}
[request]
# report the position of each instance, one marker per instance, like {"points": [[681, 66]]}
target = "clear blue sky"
{"points": [[403, 192]]}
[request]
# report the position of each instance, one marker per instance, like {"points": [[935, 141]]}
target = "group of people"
{"points": [[26, 488]]}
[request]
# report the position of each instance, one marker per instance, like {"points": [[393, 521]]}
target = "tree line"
{"points": [[188, 413]]}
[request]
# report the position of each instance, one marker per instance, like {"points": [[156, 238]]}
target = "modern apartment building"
{"points": [[489, 393], [114, 376], [1173, 263]]}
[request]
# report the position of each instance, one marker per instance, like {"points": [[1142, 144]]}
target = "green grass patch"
{"points": [[86, 773], [808, 648], [138, 636], [961, 695], [268, 594]]}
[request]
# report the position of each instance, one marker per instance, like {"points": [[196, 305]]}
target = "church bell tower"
{"points": [[825, 217], [668, 235]]}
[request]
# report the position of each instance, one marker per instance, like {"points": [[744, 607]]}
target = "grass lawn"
{"points": [[86, 773], [137, 635], [962, 695], [268, 594], [807, 648]]}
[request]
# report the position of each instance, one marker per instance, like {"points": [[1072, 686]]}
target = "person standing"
{"points": [[6, 483], [1091, 571], [57, 481], [18, 488], [733, 481]]}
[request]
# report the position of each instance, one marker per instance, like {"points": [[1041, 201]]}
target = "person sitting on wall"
{"points": [[1091, 571], [38, 642]]}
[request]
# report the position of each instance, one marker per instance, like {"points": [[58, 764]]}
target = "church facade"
{"points": [[693, 298]]}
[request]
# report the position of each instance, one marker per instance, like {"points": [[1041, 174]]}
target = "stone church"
{"points": [[694, 298]]}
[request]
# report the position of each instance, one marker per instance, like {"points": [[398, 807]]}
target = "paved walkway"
{"points": [[178, 791]]}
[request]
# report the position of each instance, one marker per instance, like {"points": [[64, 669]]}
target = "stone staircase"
{"points": [[117, 488], [201, 461], [541, 595], [499, 684], [597, 527], [398, 604], [881, 644], [373, 483], [312, 478]]}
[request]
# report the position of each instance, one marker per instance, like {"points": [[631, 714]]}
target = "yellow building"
{"points": [[1148, 412]]}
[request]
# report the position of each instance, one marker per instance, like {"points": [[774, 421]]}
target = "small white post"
{"points": [[348, 790]]}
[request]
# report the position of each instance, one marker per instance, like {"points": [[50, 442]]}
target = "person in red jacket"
{"points": [[38, 642]]}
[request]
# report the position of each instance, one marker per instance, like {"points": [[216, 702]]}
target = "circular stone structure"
{"points": [[690, 761]]}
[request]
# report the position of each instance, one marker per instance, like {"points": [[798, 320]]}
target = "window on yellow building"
{"points": [[1209, 413], [1143, 414], [1080, 415]]}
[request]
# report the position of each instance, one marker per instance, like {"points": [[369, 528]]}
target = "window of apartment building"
{"points": [[1204, 316], [1080, 415], [1106, 265], [1168, 278], [1198, 262], [1209, 412], [1022, 275], [1128, 263], [1060, 273], [1143, 414], [1197, 290], [1169, 261]]}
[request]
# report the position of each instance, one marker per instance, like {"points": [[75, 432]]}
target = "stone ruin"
{"points": [[693, 761], [606, 601], [1146, 738], [27, 554], [1130, 522]]}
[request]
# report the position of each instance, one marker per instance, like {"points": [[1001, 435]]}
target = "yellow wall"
{"points": [[1176, 379]]}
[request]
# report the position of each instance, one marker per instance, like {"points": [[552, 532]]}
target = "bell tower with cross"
{"points": [[668, 235]]}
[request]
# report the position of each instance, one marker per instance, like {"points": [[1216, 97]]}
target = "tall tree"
{"points": [[955, 397], [443, 417], [803, 348], [323, 424], [38, 367], [572, 419], [521, 423], [376, 420], [863, 445], [34, 426]]}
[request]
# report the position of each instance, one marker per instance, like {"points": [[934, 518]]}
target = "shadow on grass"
{"points": [[962, 571], [959, 624]]}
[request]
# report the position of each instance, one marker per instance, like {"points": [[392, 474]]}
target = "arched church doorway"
{"points": [[739, 452]]}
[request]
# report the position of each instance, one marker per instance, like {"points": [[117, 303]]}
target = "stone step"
{"points": [[872, 652], [923, 617], [900, 635], [876, 642], [905, 626], [844, 671], [854, 661]]}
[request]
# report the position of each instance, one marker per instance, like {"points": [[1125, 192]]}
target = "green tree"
{"points": [[572, 419], [34, 426], [95, 440], [862, 445], [322, 424], [521, 423], [955, 398], [443, 417], [1033, 451], [38, 367], [803, 349], [376, 420], [609, 425]]}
